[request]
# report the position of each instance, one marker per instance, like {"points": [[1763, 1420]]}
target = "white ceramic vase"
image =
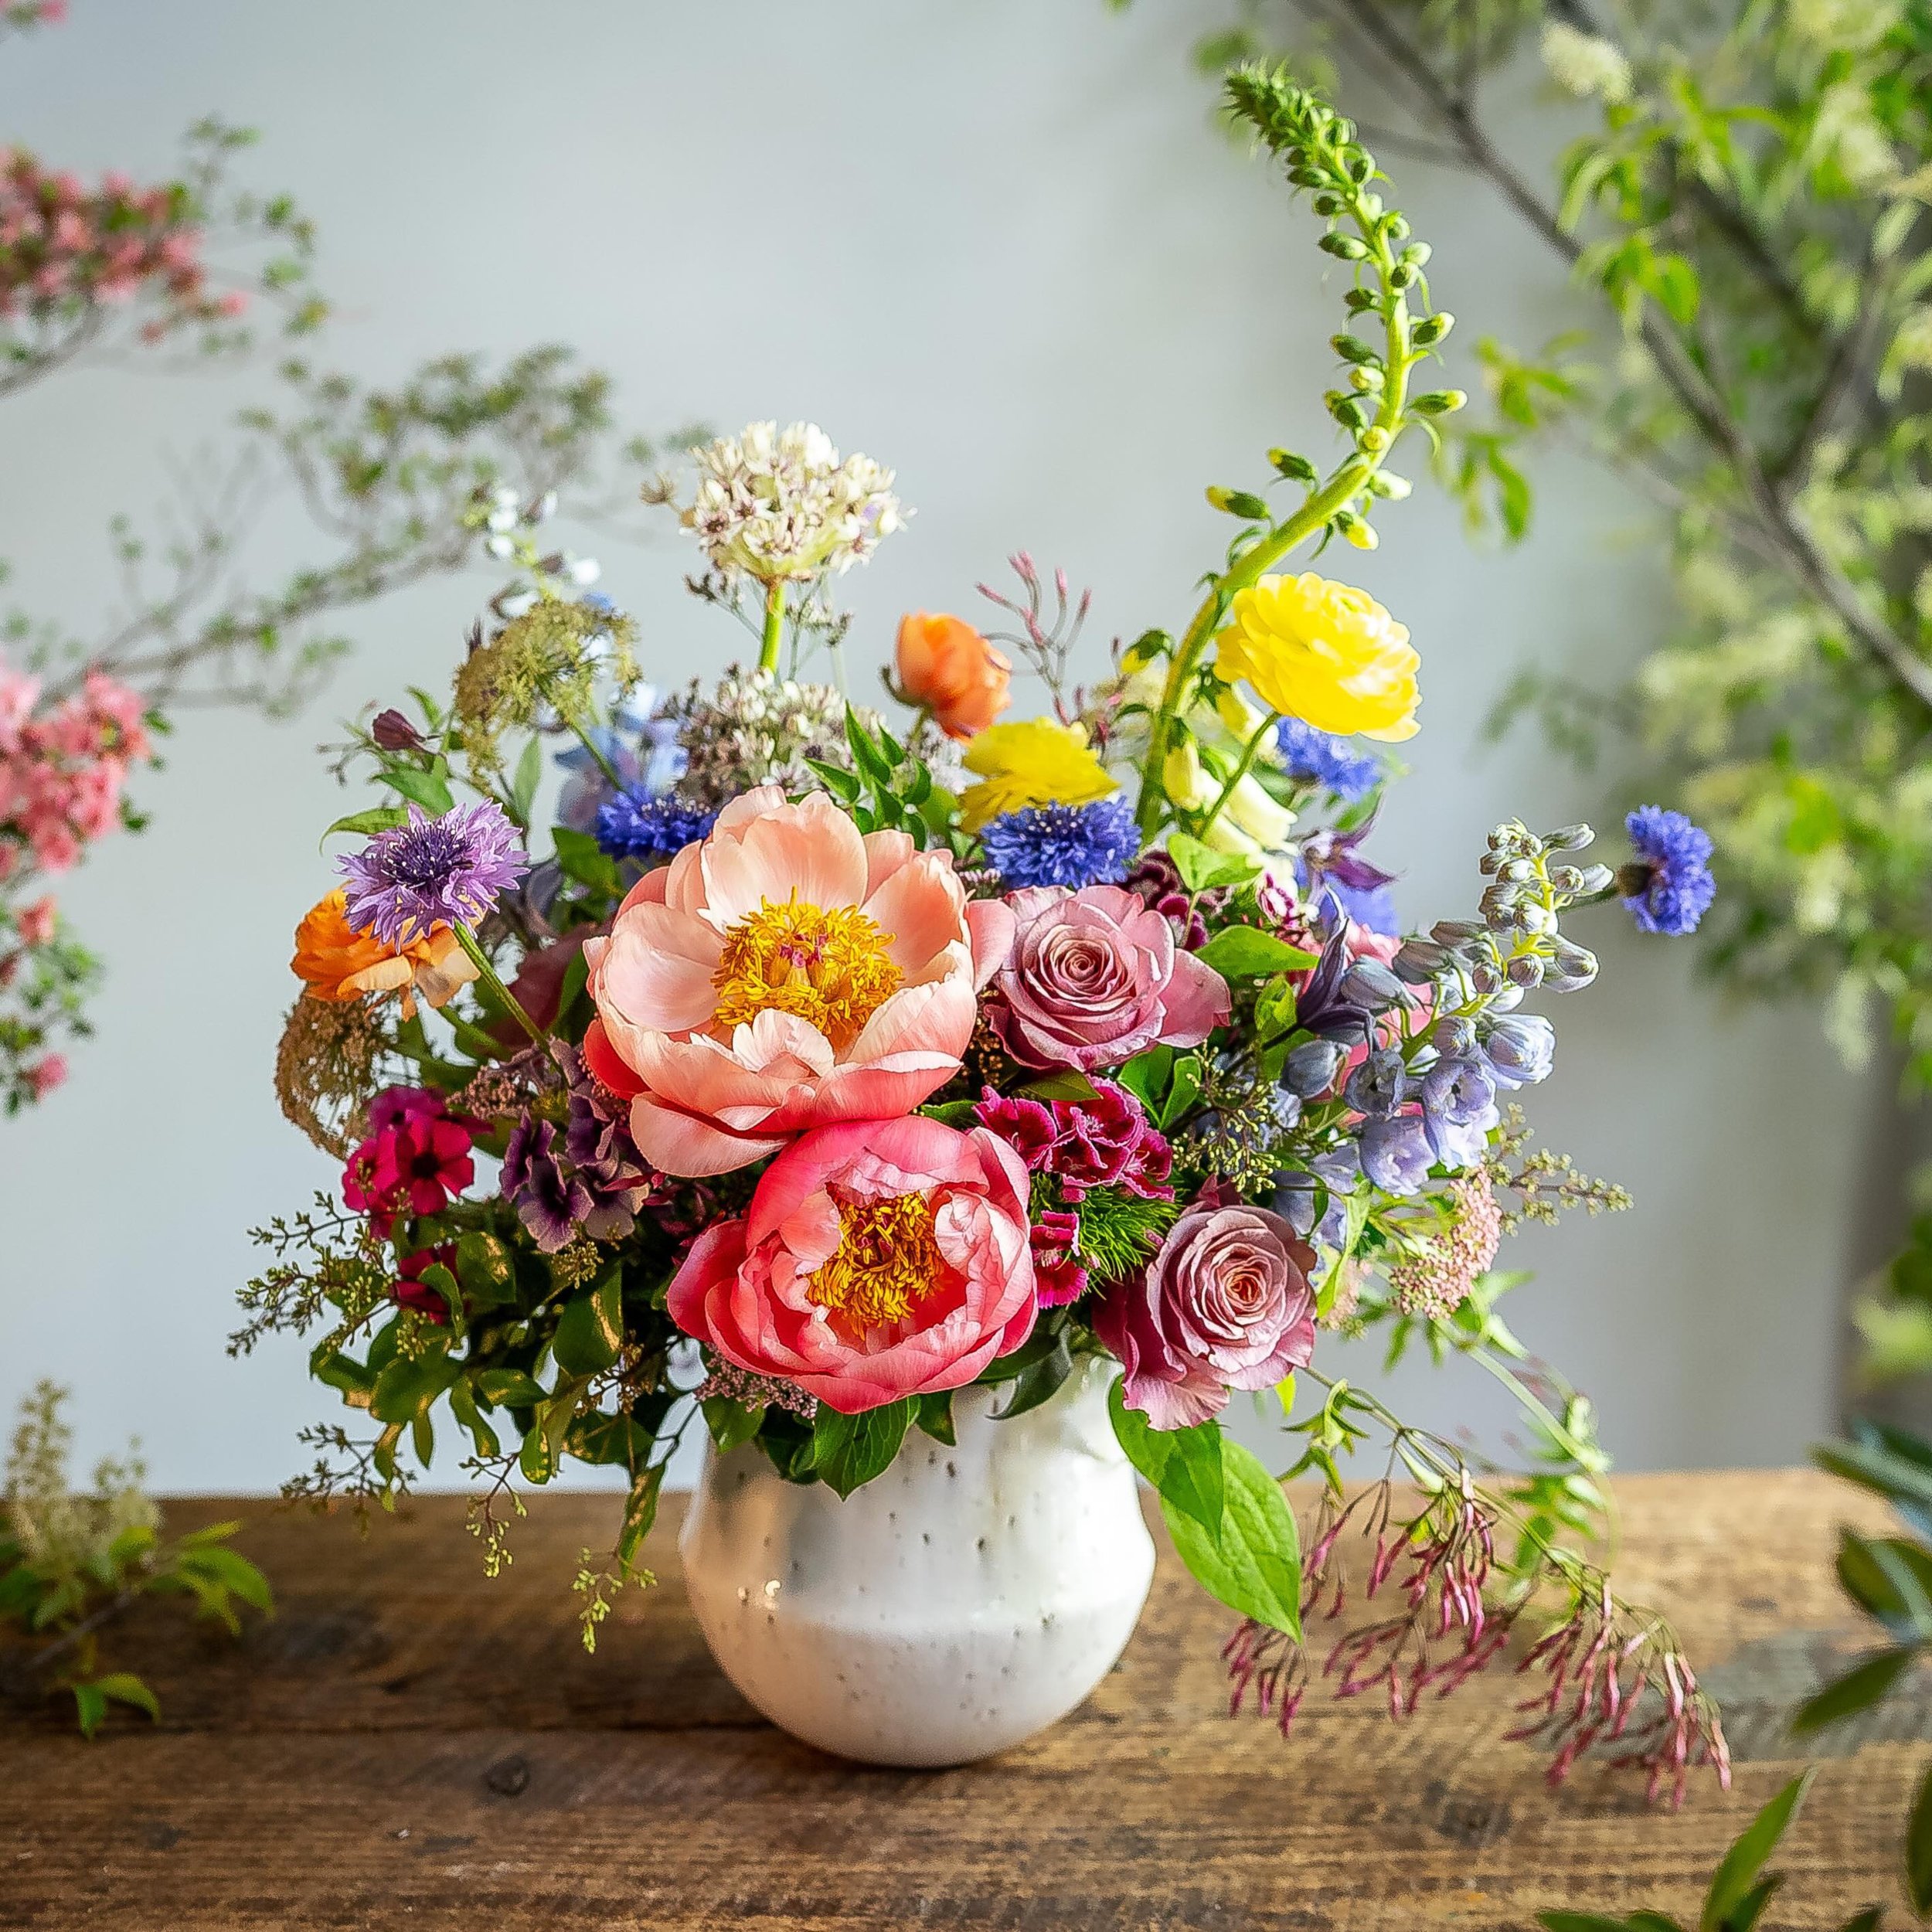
{"points": [[966, 1599]]}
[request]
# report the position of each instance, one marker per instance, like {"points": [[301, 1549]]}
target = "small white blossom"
{"points": [[1830, 24], [1583, 65], [776, 505]]}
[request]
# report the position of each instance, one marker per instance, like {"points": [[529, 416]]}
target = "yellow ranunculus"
{"points": [[1323, 652], [1035, 761]]}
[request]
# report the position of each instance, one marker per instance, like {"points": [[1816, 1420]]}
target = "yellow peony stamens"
{"points": [[887, 1263], [831, 968]]}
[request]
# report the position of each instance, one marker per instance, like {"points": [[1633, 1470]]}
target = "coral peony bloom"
{"points": [[946, 666], [879, 1258], [786, 973], [1094, 977], [338, 963], [1033, 761], [1323, 652], [1225, 1304]]}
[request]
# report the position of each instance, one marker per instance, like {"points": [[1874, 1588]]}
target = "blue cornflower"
{"points": [[1669, 887], [1319, 757], [634, 825], [1063, 844]]}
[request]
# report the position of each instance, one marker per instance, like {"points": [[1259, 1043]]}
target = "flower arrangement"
{"points": [[810, 1069]]}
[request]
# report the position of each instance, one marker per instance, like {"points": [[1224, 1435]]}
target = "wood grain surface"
{"points": [[406, 1744]]}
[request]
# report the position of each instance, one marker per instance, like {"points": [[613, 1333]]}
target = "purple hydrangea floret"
{"points": [[1319, 757], [446, 871], [1071, 845], [1669, 888]]}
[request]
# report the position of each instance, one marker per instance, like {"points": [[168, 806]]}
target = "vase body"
{"points": [[966, 1598]]}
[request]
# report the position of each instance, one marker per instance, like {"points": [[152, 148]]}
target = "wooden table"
{"points": [[408, 1745]]}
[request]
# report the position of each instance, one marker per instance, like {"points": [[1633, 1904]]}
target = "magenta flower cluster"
{"points": [[416, 1160], [62, 771]]}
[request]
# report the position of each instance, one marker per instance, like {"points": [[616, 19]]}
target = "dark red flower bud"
{"points": [[393, 732]]}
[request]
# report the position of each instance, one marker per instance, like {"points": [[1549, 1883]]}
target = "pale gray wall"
{"points": [[998, 247]]}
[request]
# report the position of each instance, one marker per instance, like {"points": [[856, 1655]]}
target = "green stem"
{"points": [[1240, 772], [774, 624], [603, 764], [487, 974], [1348, 483]]}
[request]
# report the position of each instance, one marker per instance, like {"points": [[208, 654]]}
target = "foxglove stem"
{"points": [[774, 624], [487, 974], [1241, 770]]}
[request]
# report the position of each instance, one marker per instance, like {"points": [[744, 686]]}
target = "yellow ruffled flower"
{"points": [[1034, 761], [1324, 652]]}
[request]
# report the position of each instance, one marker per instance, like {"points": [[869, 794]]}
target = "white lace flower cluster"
{"points": [[1584, 64], [779, 505]]}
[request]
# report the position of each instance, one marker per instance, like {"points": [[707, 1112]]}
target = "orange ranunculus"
{"points": [[339, 963], [946, 666]]}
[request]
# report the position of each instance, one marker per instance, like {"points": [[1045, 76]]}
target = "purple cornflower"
{"points": [[1669, 887], [432, 872], [1072, 846], [1318, 757], [633, 825]]}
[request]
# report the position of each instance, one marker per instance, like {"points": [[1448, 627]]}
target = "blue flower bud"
{"points": [[1521, 1048], [1312, 1067], [1379, 1085]]}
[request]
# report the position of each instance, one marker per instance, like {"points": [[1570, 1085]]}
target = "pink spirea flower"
{"points": [[785, 972], [1225, 1304], [879, 1258], [415, 1159], [36, 923], [1095, 977], [62, 771], [1106, 1141], [47, 1072]]}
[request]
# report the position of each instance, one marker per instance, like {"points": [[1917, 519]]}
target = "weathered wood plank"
{"points": [[409, 1744]]}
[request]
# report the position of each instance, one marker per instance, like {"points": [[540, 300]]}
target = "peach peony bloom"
{"points": [[785, 973], [879, 1258], [946, 665], [339, 963]]}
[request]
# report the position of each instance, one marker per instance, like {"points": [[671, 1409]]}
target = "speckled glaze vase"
{"points": [[963, 1600]]}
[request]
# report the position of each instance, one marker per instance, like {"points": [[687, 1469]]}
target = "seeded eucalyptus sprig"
{"points": [[1372, 405]]}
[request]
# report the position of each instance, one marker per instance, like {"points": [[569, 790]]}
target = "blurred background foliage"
{"points": [[1743, 210]]}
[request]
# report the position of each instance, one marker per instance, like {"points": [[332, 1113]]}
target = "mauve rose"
{"points": [[1225, 1304], [1094, 978]]}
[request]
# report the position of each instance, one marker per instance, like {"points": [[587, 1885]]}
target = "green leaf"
{"points": [[407, 1390], [1246, 952], [583, 859], [1870, 1920], [1067, 1086], [1918, 1848], [377, 818], [124, 1688], [1183, 1092], [1146, 1076], [234, 1572], [640, 1512], [510, 1388], [849, 1451], [1184, 1465], [530, 774], [485, 1268], [428, 789], [1254, 1565], [934, 1417], [1039, 1382], [91, 1706], [591, 1330], [1203, 870], [731, 1422], [963, 1114], [469, 1416], [1674, 282], [1861, 1687], [1735, 1877]]}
